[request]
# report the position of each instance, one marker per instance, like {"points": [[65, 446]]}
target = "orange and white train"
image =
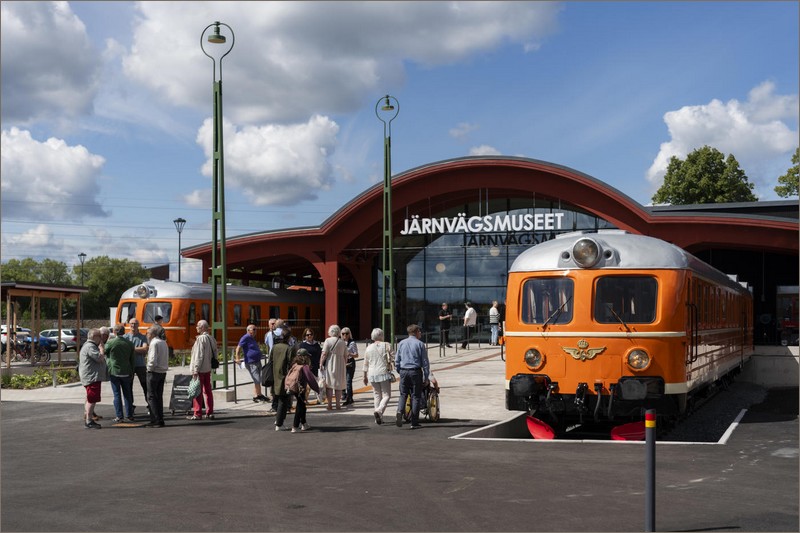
{"points": [[182, 305], [603, 326]]}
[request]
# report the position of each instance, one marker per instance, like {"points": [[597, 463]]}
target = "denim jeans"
{"points": [[495, 328], [411, 383], [122, 387], [350, 372]]}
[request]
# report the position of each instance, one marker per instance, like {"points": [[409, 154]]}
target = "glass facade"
{"points": [[469, 260]]}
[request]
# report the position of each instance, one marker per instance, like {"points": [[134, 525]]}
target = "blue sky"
{"points": [[106, 106]]}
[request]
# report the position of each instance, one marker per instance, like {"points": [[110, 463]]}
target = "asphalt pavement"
{"points": [[235, 473]]}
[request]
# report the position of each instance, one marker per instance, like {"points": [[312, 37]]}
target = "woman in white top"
{"points": [[333, 363], [378, 372]]}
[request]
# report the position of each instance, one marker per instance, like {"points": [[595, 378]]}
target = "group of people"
{"points": [[298, 368], [470, 323]]}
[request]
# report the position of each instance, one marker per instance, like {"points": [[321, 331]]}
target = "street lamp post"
{"points": [[390, 111], [82, 257], [179, 224], [219, 279]]}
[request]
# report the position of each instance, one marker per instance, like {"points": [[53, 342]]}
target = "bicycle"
{"points": [[22, 352], [430, 406]]}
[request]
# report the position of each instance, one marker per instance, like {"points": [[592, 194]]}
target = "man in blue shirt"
{"points": [[411, 360], [252, 360]]}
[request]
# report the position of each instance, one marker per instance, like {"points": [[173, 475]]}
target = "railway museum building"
{"points": [[459, 224]]}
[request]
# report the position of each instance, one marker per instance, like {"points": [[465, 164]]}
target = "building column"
{"points": [[329, 272]]}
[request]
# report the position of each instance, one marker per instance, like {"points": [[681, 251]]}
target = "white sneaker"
{"points": [[280, 428], [295, 430], [304, 427]]}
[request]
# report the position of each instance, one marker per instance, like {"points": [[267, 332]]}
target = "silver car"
{"points": [[66, 339]]}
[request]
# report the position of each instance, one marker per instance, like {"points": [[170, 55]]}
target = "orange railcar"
{"points": [[607, 325], [182, 305]]}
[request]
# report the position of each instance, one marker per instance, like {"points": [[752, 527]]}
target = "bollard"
{"points": [[650, 470]]}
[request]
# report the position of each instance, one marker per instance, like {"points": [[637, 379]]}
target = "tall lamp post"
{"points": [[387, 109], [82, 257], [179, 224], [219, 278]]}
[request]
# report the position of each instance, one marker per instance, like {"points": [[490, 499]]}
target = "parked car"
{"points": [[50, 344], [21, 333], [67, 338]]}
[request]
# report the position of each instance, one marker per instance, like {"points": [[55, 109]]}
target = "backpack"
{"points": [[292, 381]]}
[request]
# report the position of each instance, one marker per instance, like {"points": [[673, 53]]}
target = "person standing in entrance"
{"points": [[120, 360], [140, 350], [205, 347], [494, 322], [333, 365], [470, 320], [411, 361], [352, 354], [444, 325]]}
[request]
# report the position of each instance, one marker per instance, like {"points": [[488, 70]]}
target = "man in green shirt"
{"points": [[121, 359]]}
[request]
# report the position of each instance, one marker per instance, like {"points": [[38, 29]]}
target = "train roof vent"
{"points": [[733, 277]]}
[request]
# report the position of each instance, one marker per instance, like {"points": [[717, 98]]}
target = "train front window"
{"points": [[628, 299], [547, 300], [151, 309], [127, 312]]}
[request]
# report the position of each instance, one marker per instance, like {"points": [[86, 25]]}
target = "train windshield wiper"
{"points": [[556, 313], [611, 308]]}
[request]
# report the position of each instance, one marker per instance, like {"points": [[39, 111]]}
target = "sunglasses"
{"points": [[309, 334]]}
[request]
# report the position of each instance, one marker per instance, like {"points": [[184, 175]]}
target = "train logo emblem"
{"points": [[583, 352]]}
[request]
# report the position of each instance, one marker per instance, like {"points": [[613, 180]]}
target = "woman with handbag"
{"points": [[333, 366], [378, 372]]}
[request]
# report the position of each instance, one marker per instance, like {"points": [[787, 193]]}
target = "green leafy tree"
{"points": [[787, 184], [46, 271], [106, 280], [705, 177]]}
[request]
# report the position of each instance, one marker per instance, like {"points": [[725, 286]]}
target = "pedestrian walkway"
{"points": [[471, 383]]}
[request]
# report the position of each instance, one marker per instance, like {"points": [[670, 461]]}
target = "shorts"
{"points": [[255, 371], [93, 392]]}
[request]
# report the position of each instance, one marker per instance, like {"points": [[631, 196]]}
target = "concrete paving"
{"points": [[236, 473]]}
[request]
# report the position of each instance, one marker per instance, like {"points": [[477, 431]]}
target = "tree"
{"points": [[787, 184], [47, 271], [705, 177], [106, 280]]}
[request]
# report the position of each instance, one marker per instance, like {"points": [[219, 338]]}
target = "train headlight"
{"points": [[586, 253], [141, 291], [638, 359], [534, 359]]}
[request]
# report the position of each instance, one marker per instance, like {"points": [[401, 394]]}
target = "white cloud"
{"points": [[757, 132], [462, 130], [49, 69], [276, 164], [289, 61], [198, 198], [484, 149], [39, 236], [48, 180]]}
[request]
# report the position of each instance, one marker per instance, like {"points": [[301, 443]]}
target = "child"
{"points": [[299, 377]]}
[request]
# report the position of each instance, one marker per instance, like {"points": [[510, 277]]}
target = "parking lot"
{"points": [[236, 473]]}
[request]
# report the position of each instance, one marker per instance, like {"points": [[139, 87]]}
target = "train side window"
{"points": [[308, 314], [192, 314], [631, 299], [151, 309], [127, 312], [274, 311], [237, 315], [547, 298], [292, 314], [205, 312], [255, 314]]}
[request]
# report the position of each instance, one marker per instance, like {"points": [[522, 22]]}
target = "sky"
{"points": [[107, 106]]}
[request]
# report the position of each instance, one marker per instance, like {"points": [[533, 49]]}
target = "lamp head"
{"points": [[216, 37], [179, 223], [387, 106], [82, 257]]}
